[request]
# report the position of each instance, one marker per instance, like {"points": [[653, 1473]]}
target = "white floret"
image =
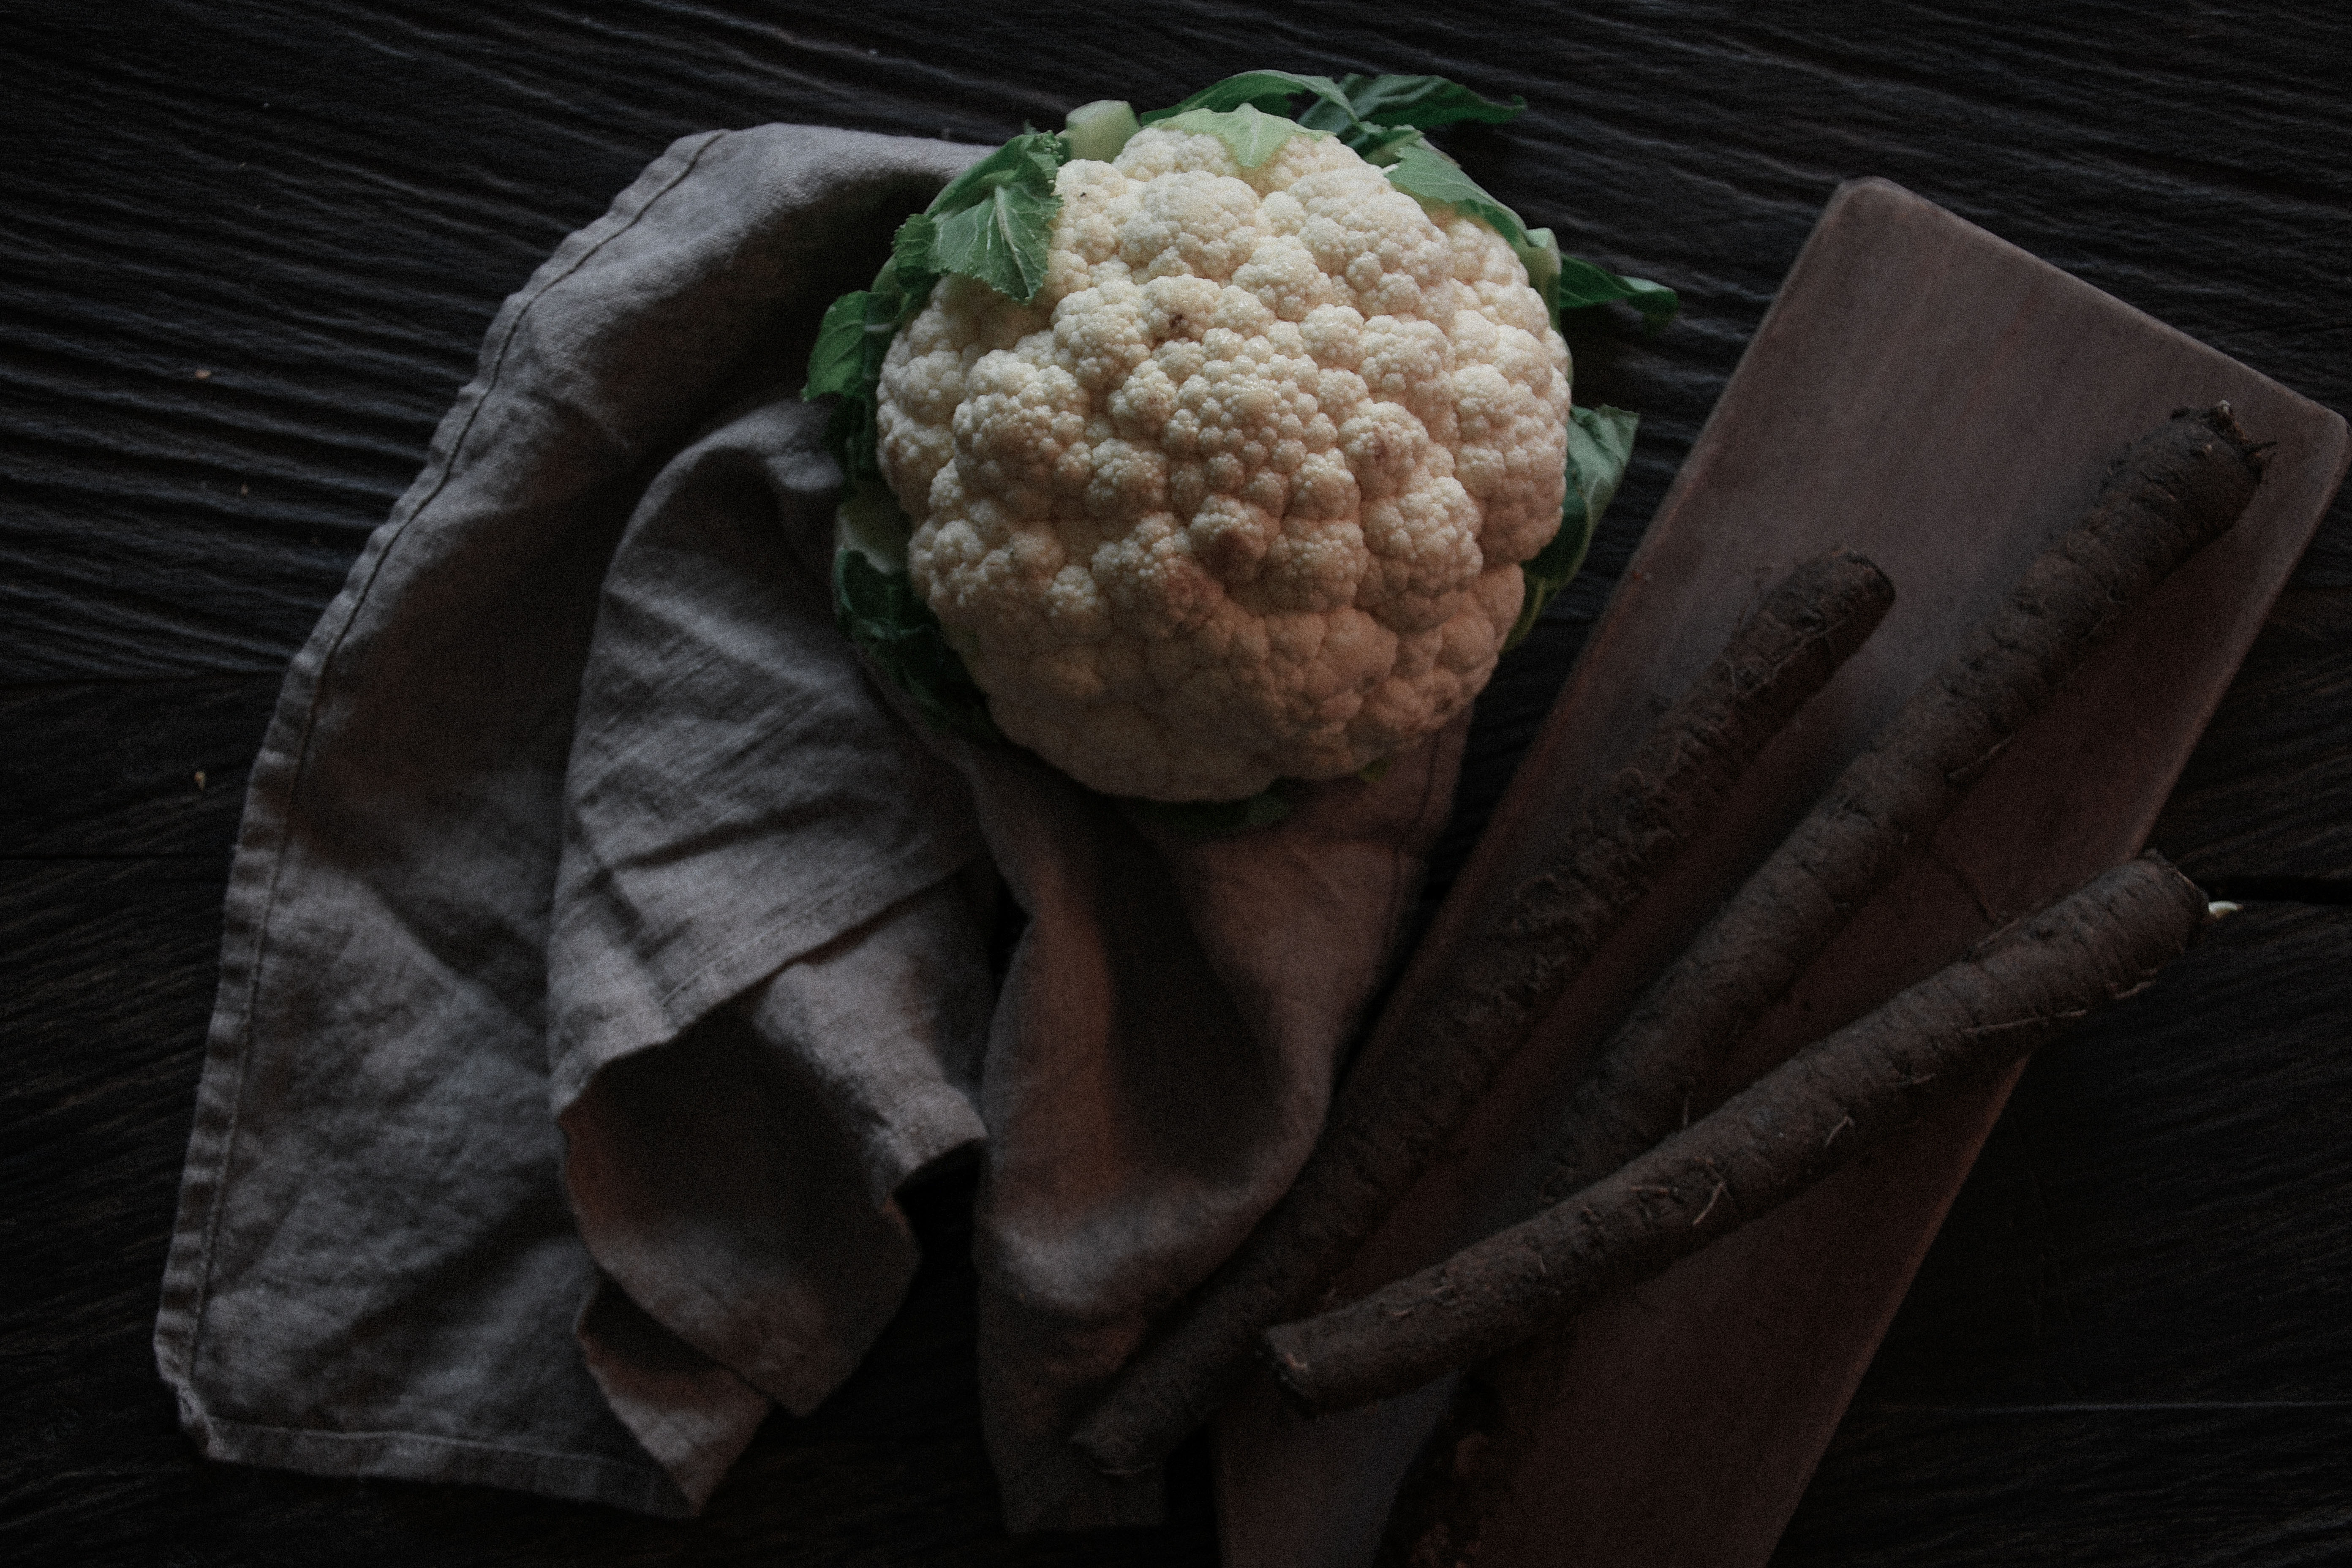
{"points": [[1243, 493]]}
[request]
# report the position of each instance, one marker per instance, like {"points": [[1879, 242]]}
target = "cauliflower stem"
{"points": [[1213, 451]]}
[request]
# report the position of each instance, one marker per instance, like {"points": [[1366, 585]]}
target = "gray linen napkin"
{"points": [[603, 951]]}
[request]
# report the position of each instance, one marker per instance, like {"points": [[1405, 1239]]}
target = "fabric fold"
{"points": [[605, 952], [375, 1269], [1162, 1056]]}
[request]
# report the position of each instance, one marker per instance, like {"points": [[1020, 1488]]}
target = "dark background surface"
{"points": [[248, 250]]}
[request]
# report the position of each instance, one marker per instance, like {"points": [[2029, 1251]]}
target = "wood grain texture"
{"points": [[2288, 716], [2102, 1360], [323, 206]]}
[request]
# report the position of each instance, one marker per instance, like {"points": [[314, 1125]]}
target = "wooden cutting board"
{"points": [[1943, 401]]}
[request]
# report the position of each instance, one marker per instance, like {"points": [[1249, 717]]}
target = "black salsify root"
{"points": [[1434, 1053], [2013, 992], [2168, 495]]}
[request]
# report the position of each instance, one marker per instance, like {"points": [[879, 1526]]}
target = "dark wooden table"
{"points": [[247, 252]]}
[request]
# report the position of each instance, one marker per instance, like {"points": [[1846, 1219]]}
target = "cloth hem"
{"points": [[422, 1457]]}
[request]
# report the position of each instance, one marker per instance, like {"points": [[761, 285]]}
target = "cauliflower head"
{"points": [[1242, 492]]}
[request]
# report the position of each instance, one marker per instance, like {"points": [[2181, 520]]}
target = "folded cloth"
{"points": [[604, 951]]}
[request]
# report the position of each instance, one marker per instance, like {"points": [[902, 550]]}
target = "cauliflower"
{"points": [[1217, 455], [1242, 492]]}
